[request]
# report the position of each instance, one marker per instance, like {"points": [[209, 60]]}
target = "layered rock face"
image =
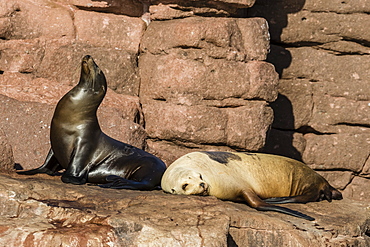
{"points": [[204, 86], [184, 76], [322, 114]]}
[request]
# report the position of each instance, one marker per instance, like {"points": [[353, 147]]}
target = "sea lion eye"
{"points": [[184, 186], [200, 176]]}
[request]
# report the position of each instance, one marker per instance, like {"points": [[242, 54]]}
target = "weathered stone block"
{"points": [[119, 7], [358, 189], [286, 143], [330, 113], [198, 7], [339, 76], [366, 169], [21, 56], [293, 107], [199, 124], [62, 63], [338, 6], [242, 127], [170, 151], [247, 125], [56, 21], [238, 39], [337, 179], [175, 75], [110, 31], [322, 151]]}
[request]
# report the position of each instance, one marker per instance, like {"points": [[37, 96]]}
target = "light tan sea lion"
{"points": [[259, 179]]}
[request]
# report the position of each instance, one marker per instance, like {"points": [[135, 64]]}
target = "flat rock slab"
{"points": [[42, 211]]}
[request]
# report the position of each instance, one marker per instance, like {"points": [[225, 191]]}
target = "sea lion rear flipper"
{"points": [[293, 199], [50, 166], [254, 201]]}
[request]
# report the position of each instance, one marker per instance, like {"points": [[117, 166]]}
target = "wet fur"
{"points": [[87, 154]]}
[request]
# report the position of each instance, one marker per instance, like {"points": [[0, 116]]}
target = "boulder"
{"points": [[293, 106], [330, 73]]}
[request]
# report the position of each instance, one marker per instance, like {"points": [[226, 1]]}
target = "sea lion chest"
{"points": [[74, 123]]}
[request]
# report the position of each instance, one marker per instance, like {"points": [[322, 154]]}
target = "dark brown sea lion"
{"points": [[259, 179], [79, 146]]}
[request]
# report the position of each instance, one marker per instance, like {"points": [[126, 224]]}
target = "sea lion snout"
{"points": [[92, 77]]}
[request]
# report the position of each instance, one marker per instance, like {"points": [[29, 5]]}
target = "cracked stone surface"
{"points": [[42, 211]]}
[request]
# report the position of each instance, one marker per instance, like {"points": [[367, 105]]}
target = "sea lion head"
{"points": [[185, 182], [92, 79]]}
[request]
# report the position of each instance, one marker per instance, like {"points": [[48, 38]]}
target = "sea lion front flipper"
{"points": [[117, 182], [50, 166], [79, 165], [254, 201]]}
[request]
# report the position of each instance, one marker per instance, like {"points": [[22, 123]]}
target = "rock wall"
{"points": [[195, 78], [202, 81], [204, 84], [322, 114]]}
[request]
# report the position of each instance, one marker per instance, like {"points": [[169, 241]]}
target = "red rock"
{"points": [[358, 189], [322, 151], [44, 211], [108, 30], [21, 55], [366, 169], [178, 75], [170, 151], [242, 127], [236, 39], [6, 154], [62, 60], [337, 179], [19, 18]]}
